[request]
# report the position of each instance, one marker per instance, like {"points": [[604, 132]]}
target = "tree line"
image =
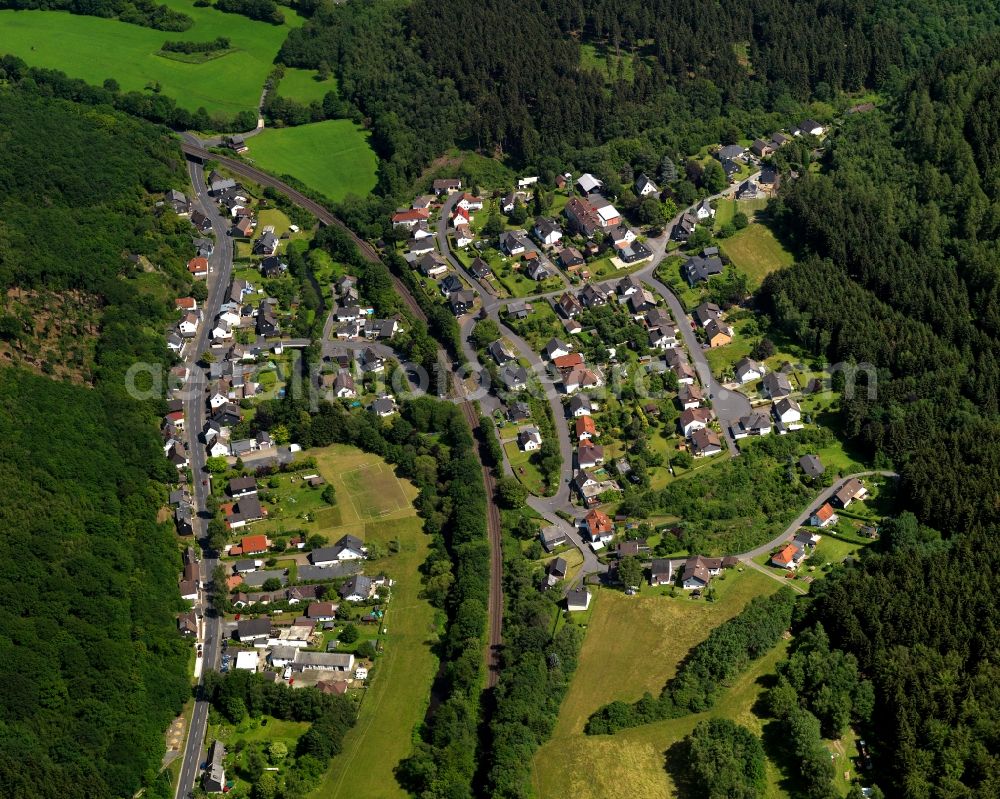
{"points": [[136, 12]]}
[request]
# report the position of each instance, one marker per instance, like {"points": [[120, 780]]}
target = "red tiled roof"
{"points": [[254, 543], [598, 522], [568, 361], [786, 556]]}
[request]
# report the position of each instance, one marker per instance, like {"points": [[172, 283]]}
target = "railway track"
{"points": [[323, 214]]}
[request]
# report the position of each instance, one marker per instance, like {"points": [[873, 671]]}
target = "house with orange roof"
{"points": [[823, 516], [568, 361], [198, 267], [599, 526], [186, 304], [254, 544], [409, 217], [789, 557], [585, 428]]}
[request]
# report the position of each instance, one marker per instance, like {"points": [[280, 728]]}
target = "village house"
{"points": [[698, 268], [644, 187], [689, 397], [589, 455], [446, 185], [718, 334], [529, 439], [694, 419], [409, 217], [661, 572], [585, 428], [461, 302], [480, 269], [599, 527], [571, 259], [756, 423], [214, 780], [747, 370], [808, 127], [547, 231], [552, 537], [823, 516], [198, 267], [775, 385], [432, 265], [580, 405], [569, 306], [787, 411], [593, 296], [577, 600], [789, 557], [513, 376], [557, 349], [555, 572], [706, 312], [811, 466], [515, 243], [705, 442], [358, 588], [850, 491]]}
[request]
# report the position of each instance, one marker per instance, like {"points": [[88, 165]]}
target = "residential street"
{"points": [[728, 405], [220, 269]]}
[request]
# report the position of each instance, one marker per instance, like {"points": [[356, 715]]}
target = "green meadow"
{"points": [[301, 85], [96, 49], [331, 157]]}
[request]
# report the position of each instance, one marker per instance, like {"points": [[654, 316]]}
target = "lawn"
{"points": [[367, 489], [524, 469], [660, 631], [331, 157], [520, 285], [302, 85], [755, 251], [95, 49], [725, 209]]}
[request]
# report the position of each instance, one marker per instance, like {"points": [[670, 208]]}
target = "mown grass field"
{"points": [[755, 251], [377, 506], [301, 85], [634, 644], [331, 157], [95, 49]]}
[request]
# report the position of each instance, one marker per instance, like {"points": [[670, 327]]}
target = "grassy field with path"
{"points": [[331, 157], [657, 632], [375, 504], [95, 49]]}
